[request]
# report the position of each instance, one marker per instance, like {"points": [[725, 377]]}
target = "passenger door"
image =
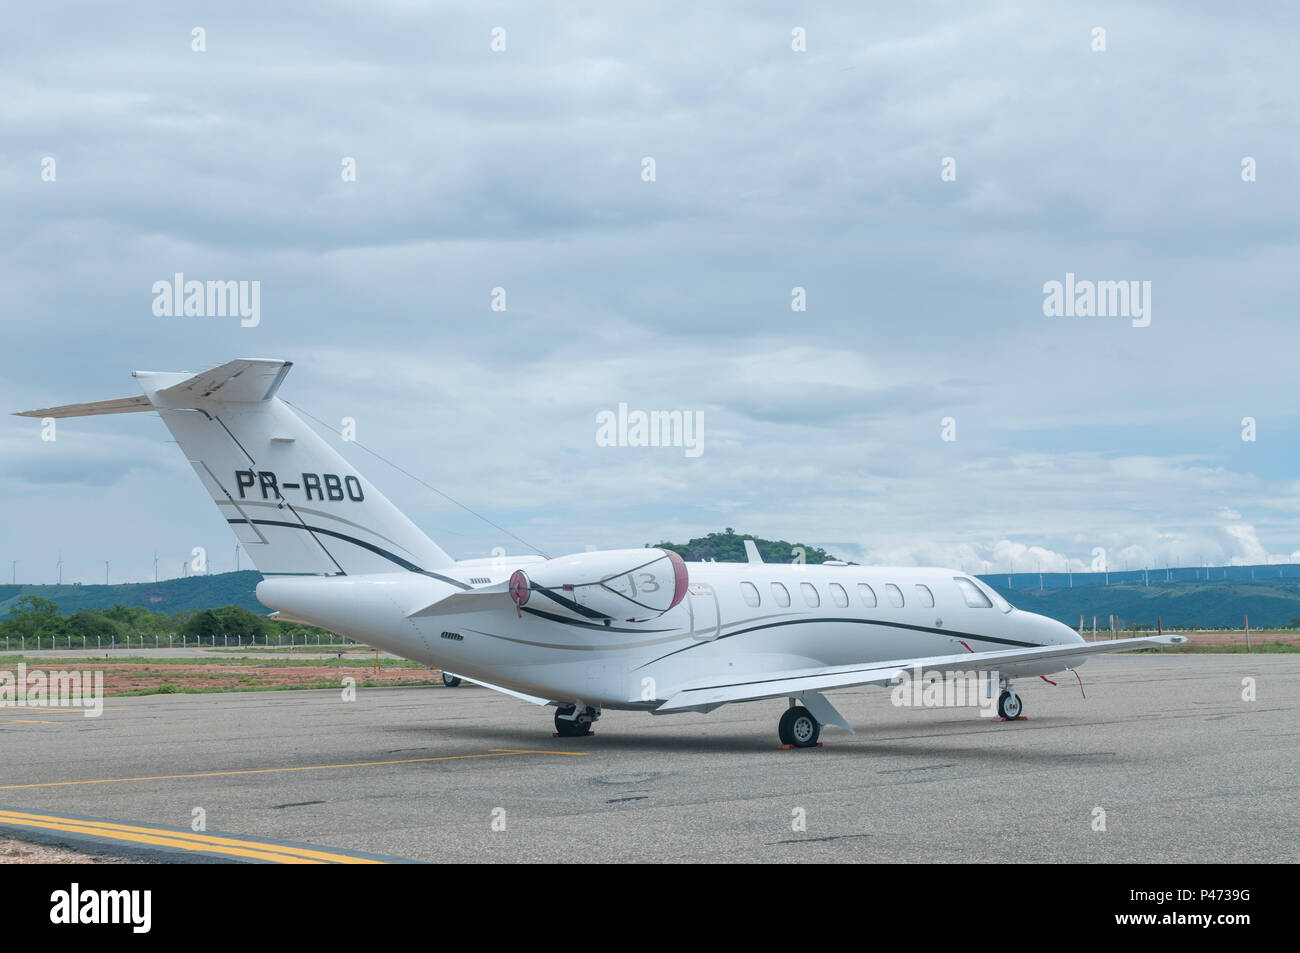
{"points": [[706, 620]]}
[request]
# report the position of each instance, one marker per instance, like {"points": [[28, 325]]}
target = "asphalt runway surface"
{"points": [[1184, 769]]}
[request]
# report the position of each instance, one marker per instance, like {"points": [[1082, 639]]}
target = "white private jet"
{"points": [[630, 629]]}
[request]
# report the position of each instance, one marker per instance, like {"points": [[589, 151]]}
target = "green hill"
{"points": [[1207, 605], [170, 595]]}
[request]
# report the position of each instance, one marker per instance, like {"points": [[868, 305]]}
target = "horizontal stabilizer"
{"points": [[123, 405]]}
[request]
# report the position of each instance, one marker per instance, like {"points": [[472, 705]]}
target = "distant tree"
{"points": [[229, 621], [126, 615], [89, 626], [37, 605], [28, 616], [727, 547]]}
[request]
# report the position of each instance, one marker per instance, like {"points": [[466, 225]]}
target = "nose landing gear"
{"points": [[1010, 707]]}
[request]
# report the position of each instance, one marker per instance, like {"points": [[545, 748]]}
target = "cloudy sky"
{"points": [[774, 169]]}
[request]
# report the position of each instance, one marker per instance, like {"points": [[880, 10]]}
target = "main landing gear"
{"points": [[451, 681], [798, 728], [1010, 706], [575, 721]]}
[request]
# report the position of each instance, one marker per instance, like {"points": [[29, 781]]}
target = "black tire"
{"points": [[569, 727], [451, 681], [1010, 706], [798, 728]]}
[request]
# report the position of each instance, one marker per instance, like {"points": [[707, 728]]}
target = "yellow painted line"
{"points": [[494, 753], [29, 721], [209, 843], [167, 842]]}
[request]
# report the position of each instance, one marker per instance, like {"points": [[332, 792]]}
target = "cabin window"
{"points": [[780, 594], [925, 595], [810, 595], [895, 595], [838, 595], [748, 590], [972, 594], [868, 595]]}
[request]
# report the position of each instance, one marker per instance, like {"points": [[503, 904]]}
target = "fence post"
{"points": [[1247, 633]]}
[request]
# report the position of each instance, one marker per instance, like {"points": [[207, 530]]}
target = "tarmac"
{"points": [[1164, 761]]}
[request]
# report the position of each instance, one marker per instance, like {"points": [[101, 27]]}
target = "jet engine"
{"points": [[628, 585]]}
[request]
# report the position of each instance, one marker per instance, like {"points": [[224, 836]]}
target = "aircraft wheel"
{"points": [[798, 727], [1010, 705], [451, 681], [566, 726]]}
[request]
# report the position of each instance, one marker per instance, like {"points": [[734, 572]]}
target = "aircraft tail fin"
{"points": [[294, 502]]}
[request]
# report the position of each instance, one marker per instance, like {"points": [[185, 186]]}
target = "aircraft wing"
{"points": [[702, 696]]}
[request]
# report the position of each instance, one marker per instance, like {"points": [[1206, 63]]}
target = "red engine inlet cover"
{"points": [[519, 587], [680, 575]]}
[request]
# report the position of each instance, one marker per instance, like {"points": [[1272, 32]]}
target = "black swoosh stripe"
{"points": [[892, 625], [551, 616], [391, 557], [568, 603]]}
